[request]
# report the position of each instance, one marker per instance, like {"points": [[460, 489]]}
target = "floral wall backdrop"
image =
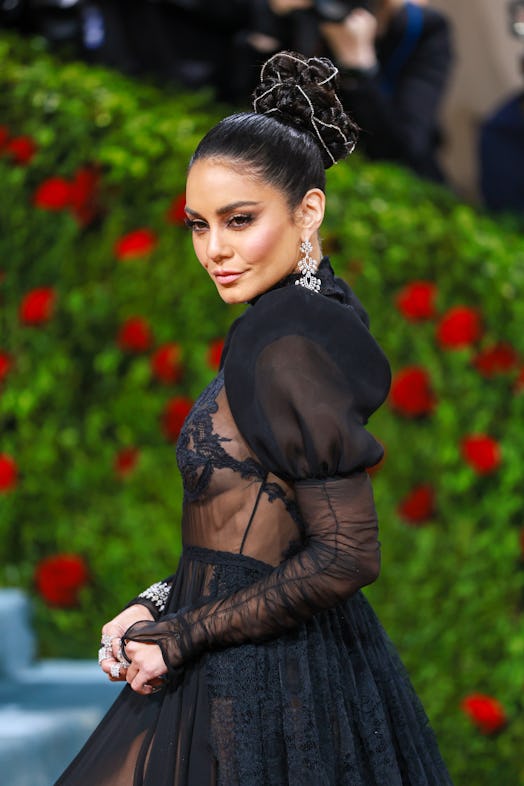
{"points": [[109, 329]]}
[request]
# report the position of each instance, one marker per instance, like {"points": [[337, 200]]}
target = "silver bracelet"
{"points": [[157, 593]]}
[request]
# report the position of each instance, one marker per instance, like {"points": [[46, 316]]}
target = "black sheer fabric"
{"points": [[280, 672]]}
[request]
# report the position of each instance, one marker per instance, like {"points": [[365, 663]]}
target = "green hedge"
{"points": [[72, 397]]}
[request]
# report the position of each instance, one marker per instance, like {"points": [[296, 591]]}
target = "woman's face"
{"points": [[244, 233]]}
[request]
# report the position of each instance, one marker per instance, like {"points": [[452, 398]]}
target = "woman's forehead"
{"points": [[219, 182]]}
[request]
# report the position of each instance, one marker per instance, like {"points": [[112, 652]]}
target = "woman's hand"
{"points": [[147, 667], [352, 41], [113, 631]]}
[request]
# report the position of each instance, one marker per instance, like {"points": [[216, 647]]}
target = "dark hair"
{"points": [[298, 130]]}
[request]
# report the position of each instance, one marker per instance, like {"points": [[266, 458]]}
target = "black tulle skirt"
{"points": [[328, 704]]}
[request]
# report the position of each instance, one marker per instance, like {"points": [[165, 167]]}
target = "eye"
{"points": [[195, 224], [240, 221]]}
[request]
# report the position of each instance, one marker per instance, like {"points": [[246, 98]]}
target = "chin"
{"points": [[235, 294], [234, 297]]}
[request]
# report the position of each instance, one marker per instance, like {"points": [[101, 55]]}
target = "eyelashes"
{"points": [[238, 221], [241, 220], [190, 223]]}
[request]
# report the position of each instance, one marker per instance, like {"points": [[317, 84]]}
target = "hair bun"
{"points": [[301, 92]]}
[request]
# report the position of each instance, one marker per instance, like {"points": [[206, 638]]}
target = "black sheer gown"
{"points": [[280, 673]]}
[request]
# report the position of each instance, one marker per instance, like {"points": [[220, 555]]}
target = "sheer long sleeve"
{"points": [[301, 396], [341, 556]]}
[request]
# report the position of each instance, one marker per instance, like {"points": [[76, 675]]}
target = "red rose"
{"points": [[418, 505], [165, 363], [134, 335], [498, 359], [4, 136], [8, 473], [37, 306], [521, 542], [459, 327], [175, 412], [417, 300], [176, 213], [214, 353], [60, 578], [482, 453], [485, 712], [126, 461], [83, 192], [135, 244], [5, 365], [53, 194], [21, 149], [411, 393]]}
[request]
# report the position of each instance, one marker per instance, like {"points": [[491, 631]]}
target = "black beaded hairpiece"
{"points": [[314, 120]]}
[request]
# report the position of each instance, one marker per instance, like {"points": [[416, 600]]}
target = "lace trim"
{"points": [[275, 491], [157, 593], [212, 557], [200, 450]]}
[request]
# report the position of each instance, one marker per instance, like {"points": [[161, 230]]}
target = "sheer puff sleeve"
{"points": [[302, 376]]}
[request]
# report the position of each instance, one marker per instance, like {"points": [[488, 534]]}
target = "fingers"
{"points": [[140, 664], [110, 655], [145, 674], [141, 681]]}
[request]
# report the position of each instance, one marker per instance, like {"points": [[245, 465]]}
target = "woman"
{"points": [[259, 662]]}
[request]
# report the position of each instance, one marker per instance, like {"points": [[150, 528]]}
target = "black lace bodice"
{"points": [[200, 450]]}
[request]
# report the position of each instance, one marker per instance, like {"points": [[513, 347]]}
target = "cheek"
{"points": [[264, 244]]}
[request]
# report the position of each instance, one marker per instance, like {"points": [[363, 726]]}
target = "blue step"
{"points": [[47, 708], [18, 646]]}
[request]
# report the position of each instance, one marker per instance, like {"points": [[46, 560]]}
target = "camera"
{"points": [[337, 10], [516, 17]]}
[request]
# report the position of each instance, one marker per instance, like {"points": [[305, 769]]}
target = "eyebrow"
{"points": [[227, 208]]}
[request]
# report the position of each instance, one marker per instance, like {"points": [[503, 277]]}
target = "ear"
{"points": [[310, 213]]}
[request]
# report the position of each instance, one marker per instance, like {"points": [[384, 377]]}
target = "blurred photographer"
{"points": [[394, 58], [502, 140]]}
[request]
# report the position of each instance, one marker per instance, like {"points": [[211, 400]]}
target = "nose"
{"points": [[217, 247]]}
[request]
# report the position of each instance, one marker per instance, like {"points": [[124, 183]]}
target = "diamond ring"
{"points": [[115, 669], [104, 653]]}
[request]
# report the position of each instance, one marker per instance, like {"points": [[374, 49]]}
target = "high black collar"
{"points": [[329, 284]]}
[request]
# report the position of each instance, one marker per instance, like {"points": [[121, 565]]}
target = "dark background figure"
{"points": [[183, 42], [502, 141], [394, 57]]}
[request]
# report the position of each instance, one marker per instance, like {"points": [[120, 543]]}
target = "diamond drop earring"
{"points": [[308, 268]]}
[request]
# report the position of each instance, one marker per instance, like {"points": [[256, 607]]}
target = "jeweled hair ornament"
{"points": [[315, 121]]}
